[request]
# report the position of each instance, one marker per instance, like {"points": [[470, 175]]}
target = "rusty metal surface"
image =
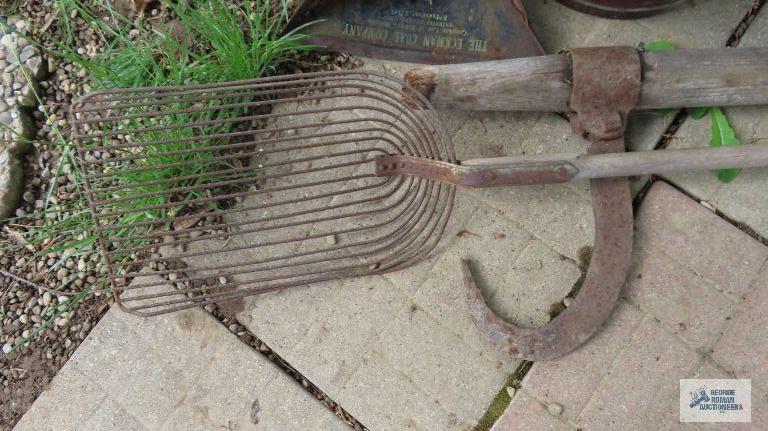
{"points": [[522, 174], [256, 186], [606, 85], [424, 31], [623, 9]]}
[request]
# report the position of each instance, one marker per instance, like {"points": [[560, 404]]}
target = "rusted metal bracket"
{"points": [[520, 172], [606, 87]]}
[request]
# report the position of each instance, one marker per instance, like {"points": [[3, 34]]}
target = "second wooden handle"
{"points": [[678, 79]]}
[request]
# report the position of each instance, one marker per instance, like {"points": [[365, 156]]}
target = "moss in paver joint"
{"points": [[502, 399], [585, 256]]}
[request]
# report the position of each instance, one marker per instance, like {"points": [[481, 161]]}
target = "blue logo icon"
{"points": [[699, 397]]}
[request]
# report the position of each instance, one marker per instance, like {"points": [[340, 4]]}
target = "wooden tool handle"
{"points": [[562, 168], [670, 161], [678, 79]]}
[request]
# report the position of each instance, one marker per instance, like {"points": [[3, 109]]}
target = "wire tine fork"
{"points": [[237, 189]]}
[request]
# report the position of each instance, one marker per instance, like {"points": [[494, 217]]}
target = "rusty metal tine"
{"points": [[287, 163], [245, 181], [395, 237], [270, 259], [237, 210], [268, 228]]}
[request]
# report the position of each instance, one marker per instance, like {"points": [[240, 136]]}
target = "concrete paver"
{"points": [[744, 200], [183, 371], [440, 364], [743, 347], [368, 307], [583, 370], [687, 304], [415, 409], [548, 278], [644, 378], [710, 247], [626, 377], [529, 414]]}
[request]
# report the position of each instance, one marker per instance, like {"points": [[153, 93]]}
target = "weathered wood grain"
{"points": [[670, 161], [685, 78]]}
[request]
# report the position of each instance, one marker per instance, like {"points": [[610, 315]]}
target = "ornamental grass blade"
{"points": [[723, 135]]}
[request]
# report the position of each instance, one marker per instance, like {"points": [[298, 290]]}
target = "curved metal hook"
{"points": [[596, 298], [606, 87]]}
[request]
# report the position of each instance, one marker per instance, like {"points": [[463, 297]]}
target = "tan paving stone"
{"points": [[283, 319], [710, 247], [525, 413], [743, 347], [409, 408], [42, 415], [442, 365], [492, 243], [559, 215], [110, 416], [571, 380], [182, 371], [161, 386], [687, 304], [537, 281], [642, 385], [354, 315]]}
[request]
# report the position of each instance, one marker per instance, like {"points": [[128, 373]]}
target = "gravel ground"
{"points": [[32, 305]]}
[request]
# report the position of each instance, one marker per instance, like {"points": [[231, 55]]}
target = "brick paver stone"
{"points": [[709, 246], [183, 371], [571, 380], [626, 377], [688, 305], [526, 413], [642, 384], [743, 347]]}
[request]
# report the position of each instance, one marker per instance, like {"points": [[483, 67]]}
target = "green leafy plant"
{"points": [[659, 46], [722, 136], [722, 132]]}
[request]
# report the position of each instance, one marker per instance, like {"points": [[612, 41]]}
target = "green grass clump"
{"points": [[216, 41]]}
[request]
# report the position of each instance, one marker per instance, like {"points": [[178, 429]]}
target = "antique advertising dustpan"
{"points": [[422, 31]]}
